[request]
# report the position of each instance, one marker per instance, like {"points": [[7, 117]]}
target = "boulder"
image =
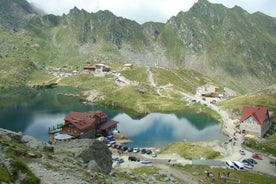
{"points": [[92, 165], [34, 143], [97, 156]]}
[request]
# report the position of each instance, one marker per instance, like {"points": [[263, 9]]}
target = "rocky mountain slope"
{"points": [[24, 159], [219, 42]]}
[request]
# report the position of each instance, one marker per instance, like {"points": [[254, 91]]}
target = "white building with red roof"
{"points": [[255, 120]]}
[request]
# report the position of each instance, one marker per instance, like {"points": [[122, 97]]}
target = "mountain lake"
{"points": [[34, 115]]}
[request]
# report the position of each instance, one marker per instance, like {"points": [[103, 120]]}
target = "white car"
{"points": [[136, 150], [154, 154], [248, 166]]}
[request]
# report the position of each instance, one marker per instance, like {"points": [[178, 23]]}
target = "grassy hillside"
{"points": [[14, 71], [262, 98]]}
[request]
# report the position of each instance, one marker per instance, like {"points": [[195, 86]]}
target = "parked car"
{"points": [[246, 161], [148, 152], [229, 164], [252, 160], [154, 154], [133, 158], [136, 150], [238, 165], [145, 161], [248, 166], [242, 152], [143, 151], [114, 146], [256, 156], [114, 158], [119, 160], [130, 149], [273, 162]]}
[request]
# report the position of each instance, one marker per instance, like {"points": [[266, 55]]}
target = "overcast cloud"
{"points": [[147, 10]]}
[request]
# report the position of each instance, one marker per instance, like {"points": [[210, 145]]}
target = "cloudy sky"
{"points": [[148, 10]]}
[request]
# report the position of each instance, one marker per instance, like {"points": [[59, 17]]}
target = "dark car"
{"points": [[133, 158], [143, 151], [242, 152], [246, 161], [119, 147], [119, 160], [251, 160], [130, 149], [148, 152], [273, 162]]}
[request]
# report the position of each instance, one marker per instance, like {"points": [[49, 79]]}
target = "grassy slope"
{"points": [[190, 150], [263, 98], [244, 177], [18, 170], [14, 71]]}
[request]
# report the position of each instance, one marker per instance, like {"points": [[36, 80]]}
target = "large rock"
{"points": [[10, 135], [97, 156], [36, 144]]}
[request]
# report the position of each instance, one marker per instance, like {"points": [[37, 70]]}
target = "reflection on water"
{"points": [[155, 129], [160, 129]]}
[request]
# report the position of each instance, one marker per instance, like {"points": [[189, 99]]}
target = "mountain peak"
{"points": [[201, 3], [14, 12]]}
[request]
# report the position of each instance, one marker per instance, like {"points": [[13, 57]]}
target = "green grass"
{"points": [[243, 176], [198, 107], [260, 100], [14, 71], [18, 167], [38, 77], [130, 98], [190, 150], [89, 82], [181, 79], [138, 74], [4, 174], [140, 172]]}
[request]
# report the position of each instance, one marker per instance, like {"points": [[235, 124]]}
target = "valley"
{"points": [[99, 58]]}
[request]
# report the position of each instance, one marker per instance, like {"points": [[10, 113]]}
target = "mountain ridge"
{"points": [[219, 42]]}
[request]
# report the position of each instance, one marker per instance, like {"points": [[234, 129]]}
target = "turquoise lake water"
{"points": [[33, 116]]}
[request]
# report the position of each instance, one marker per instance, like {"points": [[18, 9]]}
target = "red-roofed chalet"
{"points": [[87, 124], [255, 120]]}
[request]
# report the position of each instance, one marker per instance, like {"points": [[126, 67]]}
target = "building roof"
{"points": [[107, 124], [83, 121], [259, 113]]}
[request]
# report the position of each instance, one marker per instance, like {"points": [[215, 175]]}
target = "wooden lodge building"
{"points": [[87, 124]]}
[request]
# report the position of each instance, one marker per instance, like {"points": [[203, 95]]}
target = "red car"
{"points": [[256, 156]]}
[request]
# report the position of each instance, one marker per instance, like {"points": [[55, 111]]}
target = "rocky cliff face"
{"points": [[25, 159]]}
